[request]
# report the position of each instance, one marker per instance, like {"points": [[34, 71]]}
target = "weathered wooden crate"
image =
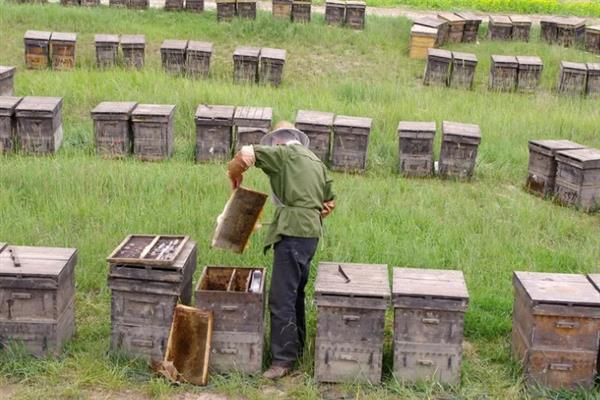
{"points": [[138, 4], [271, 65], [197, 59], [246, 9], [214, 132], [282, 9], [593, 79], [37, 295], [62, 50], [435, 23], [252, 124], [456, 26], [549, 29], [351, 308], [69, 2], [416, 148], [459, 149], [463, 70], [521, 27], [318, 126], [153, 131], [530, 72], [503, 73], [37, 49], [172, 53], [335, 12], [542, 164], [578, 178], [556, 320], [174, 5], [592, 39], [112, 128], [225, 10], [572, 78], [134, 49], [437, 70], [194, 5], [429, 307], [39, 124], [107, 50], [570, 31], [6, 80], [500, 27], [8, 105], [350, 143], [421, 39], [236, 297], [118, 3], [355, 14], [301, 11], [245, 64], [472, 23], [90, 3]]}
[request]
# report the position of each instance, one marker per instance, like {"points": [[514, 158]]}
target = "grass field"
{"points": [[487, 228]]}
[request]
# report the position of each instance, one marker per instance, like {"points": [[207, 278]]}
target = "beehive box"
{"points": [[153, 131], [39, 124], [421, 39], [301, 11], [578, 178], [500, 27], [6, 80], [174, 5], [118, 3], [112, 128], [592, 39], [529, 74], [350, 321], [37, 49], [437, 70], [107, 49], [282, 9], [245, 64], [148, 275], [172, 53], [355, 14], [214, 132], [271, 65], [90, 3], [572, 78], [197, 58], [335, 12], [435, 23], [456, 26], [429, 307], [593, 79], [69, 2], [350, 143], [459, 149], [7, 122], [138, 4], [549, 29], [472, 23], [318, 126], [134, 48], [555, 329], [521, 27], [416, 148], [62, 50], [252, 124], [225, 10], [246, 9], [194, 5], [463, 70], [236, 297], [503, 73], [570, 31], [37, 296], [542, 164]]}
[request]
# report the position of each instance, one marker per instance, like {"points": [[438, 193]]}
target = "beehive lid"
{"points": [[106, 38], [35, 261], [548, 20], [161, 110], [40, 104], [7, 71], [466, 57], [550, 147], [504, 60], [254, 113], [366, 280], [335, 3], [413, 129], [174, 45], [215, 113], [436, 283], [585, 158], [307, 117], [356, 4], [353, 122], [150, 250], [423, 30], [459, 129], [469, 17], [114, 107], [593, 67], [520, 20], [7, 108], [450, 17], [552, 288], [570, 22], [529, 60], [500, 20], [204, 47], [133, 40], [37, 35], [439, 53], [573, 66], [246, 51], [593, 28], [64, 37], [275, 54], [431, 22]]}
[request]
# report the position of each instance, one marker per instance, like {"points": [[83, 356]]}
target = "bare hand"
{"points": [[328, 208]]}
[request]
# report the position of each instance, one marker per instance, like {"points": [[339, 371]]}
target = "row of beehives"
{"points": [[565, 170], [170, 5], [7, 75], [570, 32], [44, 49]]}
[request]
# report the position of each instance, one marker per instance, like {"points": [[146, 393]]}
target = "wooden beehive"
{"points": [[197, 58], [39, 124], [437, 70], [459, 149], [62, 50], [578, 178], [6, 80], [118, 3], [572, 78], [225, 10], [456, 26], [112, 128], [214, 132], [592, 39], [421, 39], [69, 3], [435, 23], [134, 49], [172, 53], [245, 64], [416, 148], [429, 307], [301, 11], [271, 65], [593, 79], [355, 14], [37, 297], [8, 105], [236, 297], [500, 27], [246, 9], [194, 5], [335, 12], [252, 123], [549, 30], [542, 164], [521, 27], [530, 72], [503, 73], [318, 126], [350, 321], [174, 5], [350, 143], [556, 320], [138, 4], [282, 9], [37, 49], [107, 49], [90, 3], [570, 31], [472, 23], [463, 70], [153, 131], [148, 275]]}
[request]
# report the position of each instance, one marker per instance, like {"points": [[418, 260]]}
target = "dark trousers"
{"points": [[291, 266]]}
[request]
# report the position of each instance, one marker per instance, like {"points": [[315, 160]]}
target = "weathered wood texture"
{"points": [[572, 78], [118, 3], [549, 30], [435, 23], [6, 80], [503, 73], [282, 9], [570, 31], [197, 58], [62, 50], [174, 5], [472, 23], [593, 79], [39, 124], [458, 155], [350, 143], [578, 178], [37, 49], [90, 3], [355, 14], [556, 320], [335, 12], [318, 126], [134, 48], [153, 131], [214, 132], [437, 70], [301, 11], [107, 50], [529, 73], [246, 9], [112, 128], [245, 64], [456, 26], [592, 39], [225, 10], [421, 39], [69, 2], [8, 128], [194, 5], [253, 117], [138, 4], [500, 27], [462, 72], [236, 297], [271, 66], [416, 148], [172, 53], [521, 27]]}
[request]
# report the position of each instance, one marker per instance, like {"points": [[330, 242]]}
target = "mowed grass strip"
{"points": [[487, 228]]}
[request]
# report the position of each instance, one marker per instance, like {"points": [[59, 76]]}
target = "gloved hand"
{"points": [[235, 171], [328, 208]]}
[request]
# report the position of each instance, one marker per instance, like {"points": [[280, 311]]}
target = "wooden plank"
{"points": [[34, 262], [315, 118], [274, 54], [553, 288], [429, 282], [114, 107], [355, 122], [370, 280], [587, 158], [201, 47]]}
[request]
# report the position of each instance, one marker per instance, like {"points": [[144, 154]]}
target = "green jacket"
{"points": [[301, 183]]}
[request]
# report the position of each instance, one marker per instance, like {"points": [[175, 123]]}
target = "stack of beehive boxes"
{"points": [[446, 68], [579, 79], [431, 32], [253, 64], [228, 9]]}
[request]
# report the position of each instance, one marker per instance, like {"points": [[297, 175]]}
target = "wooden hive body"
{"points": [[172, 53], [112, 128], [521, 27], [463, 70], [572, 78], [134, 49], [246, 9], [500, 27], [225, 10], [472, 23], [437, 70], [118, 3], [37, 49], [153, 131], [252, 123], [107, 50], [570, 31], [436, 23], [530, 72], [503, 73], [39, 124], [350, 322], [174, 5], [138, 4], [69, 2], [197, 59], [350, 143], [593, 79], [301, 11], [214, 132], [578, 178], [194, 5], [271, 65], [62, 50], [90, 3], [318, 126], [355, 14], [6, 80], [458, 155], [456, 26], [421, 39], [282, 9], [245, 64], [335, 12], [592, 39], [416, 148], [549, 29], [8, 105]]}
